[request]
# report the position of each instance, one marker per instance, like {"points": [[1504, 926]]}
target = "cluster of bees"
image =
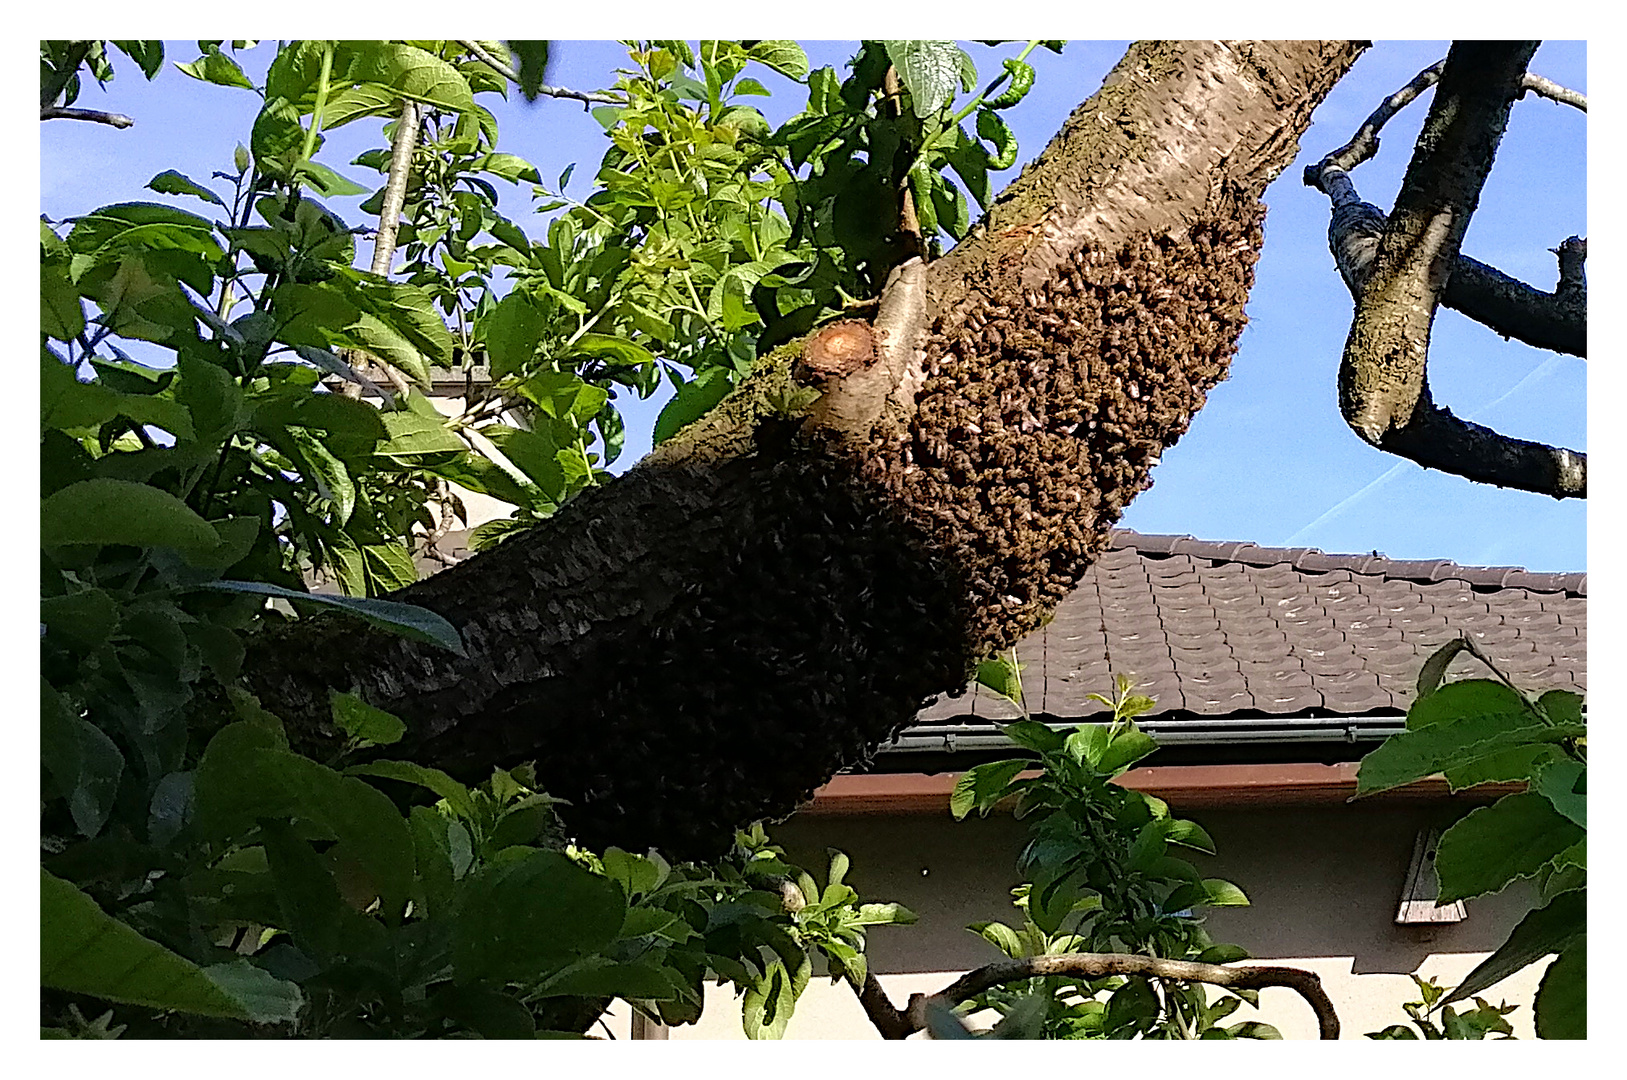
{"points": [[1043, 413], [821, 598]]}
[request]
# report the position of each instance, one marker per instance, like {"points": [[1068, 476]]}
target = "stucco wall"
{"points": [[1324, 884]]}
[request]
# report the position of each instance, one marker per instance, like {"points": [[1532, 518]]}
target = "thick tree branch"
{"points": [[1555, 321], [94, 116], [702, 642], [1383, 384], [894, 1023]]}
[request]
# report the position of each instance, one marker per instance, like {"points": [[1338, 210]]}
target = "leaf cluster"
{"points": [[1099, 876], [1476, 731]]}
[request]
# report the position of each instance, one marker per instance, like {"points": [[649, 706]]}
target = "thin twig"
{"points": [[551, 91], [1363, 145], [893, 1023], [95, 116]]}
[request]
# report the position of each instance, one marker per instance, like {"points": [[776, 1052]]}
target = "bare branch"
{"points": [[1364, 144], [1383, 385], [95, 116], [551, 91], [895, 1024], [1536, 84]]}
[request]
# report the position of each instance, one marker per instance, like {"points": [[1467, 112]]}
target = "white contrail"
{"points": [[1536, 373]]}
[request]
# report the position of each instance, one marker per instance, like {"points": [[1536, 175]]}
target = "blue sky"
{"points": [[1268, 459]]}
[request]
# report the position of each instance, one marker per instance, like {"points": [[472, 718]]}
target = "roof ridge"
{"points": [[1314, 560]]}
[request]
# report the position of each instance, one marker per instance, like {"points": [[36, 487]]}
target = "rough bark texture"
{"points": [[1383, 378], [702, 642]]}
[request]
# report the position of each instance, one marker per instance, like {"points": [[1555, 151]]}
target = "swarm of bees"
{"points": [[823, 598], [1042, 414]]}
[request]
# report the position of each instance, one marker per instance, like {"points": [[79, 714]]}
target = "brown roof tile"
{"points": [[1216, 629]]}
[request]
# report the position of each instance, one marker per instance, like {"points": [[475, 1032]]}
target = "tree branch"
{"points": [[1555, 321], [551, 91], [1325, 174], [1383, 385], [95, 116], [895, 1024]]}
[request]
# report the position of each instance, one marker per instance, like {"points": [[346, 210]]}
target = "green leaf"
{"points": [[999, 935], [1561, 1005], [412, 436], [524, 919], [1562, 706], [1223, 954], [325, 471], [993, 130], [1224, 893], [1445, 744], [637, 876], [1549, 929], [638, 981], [266, 998], [563, 395], [1513, 763], [1087, 743], [148, 55], [1001, 674], [359, 720], [1564, 783], [83, 950], [327, 182], [510, 167], [693, 400], [1433, 672], [929, 70], [456, 795], [1253, 1029], [1493, 845], [170, 182], [1022, 80], [984, 785], [120, 512], [489, 1013], [511, 333], [403, 620], [1127, 747], [218, 68], [62, 312], [1190, 834], [307, 894], [785, 57], [614, 349], [1035, 736], [1468, 698], [766, 1010]]}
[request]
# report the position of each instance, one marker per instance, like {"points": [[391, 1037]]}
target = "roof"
{"points": [[1234, 632]]}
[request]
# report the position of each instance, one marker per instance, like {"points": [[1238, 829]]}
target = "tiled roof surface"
{"points": [[1227, 629]]}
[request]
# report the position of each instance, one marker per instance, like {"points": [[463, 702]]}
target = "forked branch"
{"points": [[1383, 384], [894, 1023]]}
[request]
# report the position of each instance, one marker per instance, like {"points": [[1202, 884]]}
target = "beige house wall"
{"points": [[1324, 883]]}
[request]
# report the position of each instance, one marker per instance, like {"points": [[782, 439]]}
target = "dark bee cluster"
{"points": [[822, 628], [1043, 412]]}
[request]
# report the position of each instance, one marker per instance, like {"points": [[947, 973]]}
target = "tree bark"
{"points": [[768, 596], [1383, 378]]}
